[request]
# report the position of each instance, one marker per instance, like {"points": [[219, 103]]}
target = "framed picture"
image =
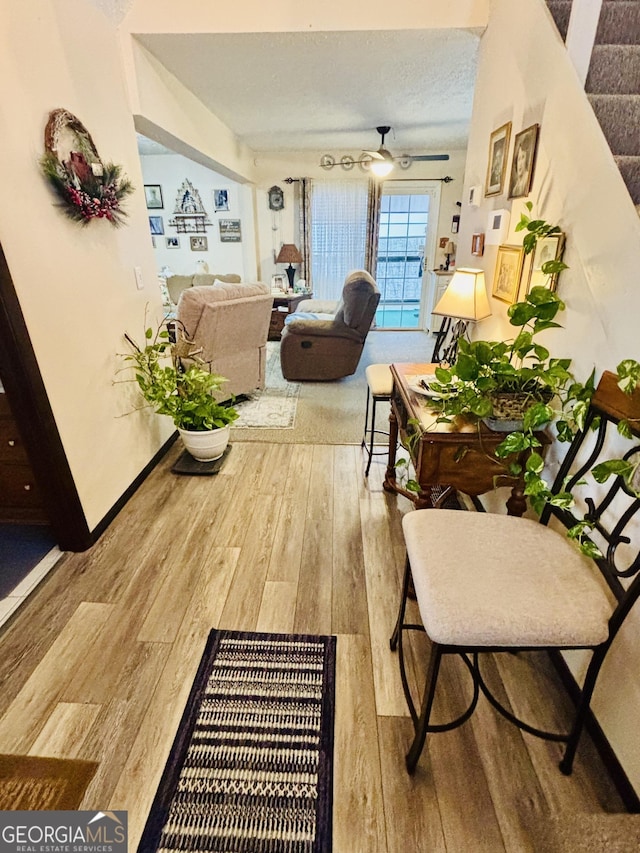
{"points": [[278, 283], [547, 249], [156, 224], [498, 155], [524, 159], [153, 196], [497, 227], [230, 231], [199, 244], [172, 242], [221, 199], [477, 244], [506, 279]]}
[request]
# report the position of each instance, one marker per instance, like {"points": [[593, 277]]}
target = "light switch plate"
{"points": [[139, 279]]}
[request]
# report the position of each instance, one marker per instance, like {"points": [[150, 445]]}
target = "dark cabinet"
{"points": [[20, 499]]}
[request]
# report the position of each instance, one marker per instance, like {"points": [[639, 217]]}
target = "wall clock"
{"points": [[276, 198]]}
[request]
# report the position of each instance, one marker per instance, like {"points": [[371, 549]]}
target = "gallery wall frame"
{"points": [[477, 244], [153, 196], [498, 158], [230, 231], [547, 249], [221, 200], [156, 224], [198, 243], [508, 272], [525, 150], [172, 242]]}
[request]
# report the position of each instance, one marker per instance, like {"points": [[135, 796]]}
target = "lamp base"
{"points": [[291, 273]]}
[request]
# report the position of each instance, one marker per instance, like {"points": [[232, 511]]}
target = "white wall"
{"points": [[277, 228], [170, 172], [75, 284], [525, 76]]}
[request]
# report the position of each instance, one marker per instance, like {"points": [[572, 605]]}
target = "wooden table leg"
{"points": [[389, 484]]}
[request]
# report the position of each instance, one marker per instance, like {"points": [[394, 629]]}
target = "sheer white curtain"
{"points": [[338, 234]]}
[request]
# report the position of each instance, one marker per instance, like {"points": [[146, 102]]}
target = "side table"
{"points": [[290, 301]]}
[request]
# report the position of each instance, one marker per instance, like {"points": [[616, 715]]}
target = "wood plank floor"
{"points": [[99, 661]]}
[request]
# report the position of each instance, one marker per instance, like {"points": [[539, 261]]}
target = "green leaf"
{"points": [[466, 367], [624, 428], [535, 463], [617, 467], [513, 443]]}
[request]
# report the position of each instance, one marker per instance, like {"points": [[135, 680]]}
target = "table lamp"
{"points": [[449, 249], [289, 254], [464, 300]]}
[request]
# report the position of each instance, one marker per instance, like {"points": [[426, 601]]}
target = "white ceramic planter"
{"points": [[206, 445]]}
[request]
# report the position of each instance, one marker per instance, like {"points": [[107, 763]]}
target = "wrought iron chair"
{"points": [[495, 583]]}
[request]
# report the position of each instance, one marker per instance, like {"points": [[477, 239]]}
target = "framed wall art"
{"points": [[199, 244], [547, 249], [477, 244], [153, 196], [230, 231], [524, 159], [506, 278], [221, 199], [498, 155], [172, 242], [156, 224]]}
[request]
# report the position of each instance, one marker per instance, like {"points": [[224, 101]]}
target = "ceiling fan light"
{"points": [[381, 167]]}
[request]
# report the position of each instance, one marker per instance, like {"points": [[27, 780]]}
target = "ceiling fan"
{"points": [[381, 162]]}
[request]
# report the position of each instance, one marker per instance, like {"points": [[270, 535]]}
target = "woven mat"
{"points": [[251, 765], [30, 783]]}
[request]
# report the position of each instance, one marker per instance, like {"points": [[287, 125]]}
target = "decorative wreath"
{"points": [[87, 188]]}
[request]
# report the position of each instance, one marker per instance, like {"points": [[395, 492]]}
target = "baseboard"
{"points": [[102, 525], [619, 778]]}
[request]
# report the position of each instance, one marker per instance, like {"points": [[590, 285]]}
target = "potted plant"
{"points": [[186, 395]]}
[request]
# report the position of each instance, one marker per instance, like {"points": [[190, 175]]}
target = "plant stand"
{"points": [[186, 464]]}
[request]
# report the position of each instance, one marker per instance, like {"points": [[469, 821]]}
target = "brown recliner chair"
{"points": [[318, 344]]}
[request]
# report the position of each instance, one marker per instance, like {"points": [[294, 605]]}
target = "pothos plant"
{"points": [[484, 370], [187, 396]]}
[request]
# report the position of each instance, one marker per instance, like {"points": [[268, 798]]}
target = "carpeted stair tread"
{"points": [[619, 22], [619, 117], [630, 171], [614, 69], [561, 12]]}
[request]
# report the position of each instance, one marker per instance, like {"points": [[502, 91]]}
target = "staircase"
{"points": [[613, 81]]}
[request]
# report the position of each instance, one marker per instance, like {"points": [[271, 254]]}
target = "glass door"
{"points": [[408, 217]]}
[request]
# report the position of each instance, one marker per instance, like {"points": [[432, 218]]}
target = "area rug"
{"points": [[250, 768], [29, 783], [275, 406], [333, 412]]}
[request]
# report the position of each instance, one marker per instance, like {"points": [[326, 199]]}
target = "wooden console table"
{"points": [[444, 456]]}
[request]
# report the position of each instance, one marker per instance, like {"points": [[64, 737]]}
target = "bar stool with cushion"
{"points": [[379, 385], [490, 583]]}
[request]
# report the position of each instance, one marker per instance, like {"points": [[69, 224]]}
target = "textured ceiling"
{"points": [[329, 90]]}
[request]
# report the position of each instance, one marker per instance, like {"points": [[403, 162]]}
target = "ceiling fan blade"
{"points": [[375, 154], [422, 157]]}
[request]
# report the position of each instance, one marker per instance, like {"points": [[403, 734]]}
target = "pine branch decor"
{"points": [[86, 188]]}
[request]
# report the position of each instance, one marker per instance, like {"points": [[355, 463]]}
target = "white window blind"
{"points": [[338, 234]]}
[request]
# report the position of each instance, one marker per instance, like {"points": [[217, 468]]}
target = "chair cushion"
{"points": [[379, 380], [483, 579]]}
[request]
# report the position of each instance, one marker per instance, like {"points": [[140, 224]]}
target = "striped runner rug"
{"points": [[251, 765]]}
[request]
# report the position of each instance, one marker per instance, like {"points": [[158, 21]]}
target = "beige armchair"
{"points": [[324, 341], [228, 325]]}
